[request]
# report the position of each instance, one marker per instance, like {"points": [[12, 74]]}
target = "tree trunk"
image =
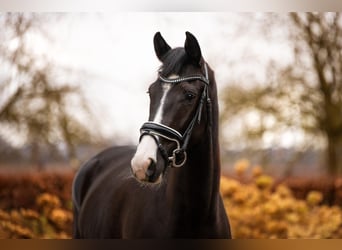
{"points": [[331, 156], [36, 157]]}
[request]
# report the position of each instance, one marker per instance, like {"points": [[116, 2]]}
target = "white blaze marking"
{"points": [[166, 87], [159, 114], [147, 148]]}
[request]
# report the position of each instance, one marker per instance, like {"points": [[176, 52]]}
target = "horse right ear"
{"points": [[160, 46]]}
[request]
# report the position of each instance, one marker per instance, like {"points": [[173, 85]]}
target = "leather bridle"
{"points": [[156, 130]]}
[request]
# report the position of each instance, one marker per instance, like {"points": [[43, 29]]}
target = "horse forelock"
{"points": [[173, 62]]}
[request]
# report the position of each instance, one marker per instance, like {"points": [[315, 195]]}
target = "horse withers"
{"points": [[167, 186]]}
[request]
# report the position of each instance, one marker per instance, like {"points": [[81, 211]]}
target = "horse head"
{"points": [[177, 118]]}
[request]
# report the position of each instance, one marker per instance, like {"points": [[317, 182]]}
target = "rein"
{"points": [[156, 130]]}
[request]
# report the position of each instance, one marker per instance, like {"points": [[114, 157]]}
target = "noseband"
{"points": [[157, 130]]}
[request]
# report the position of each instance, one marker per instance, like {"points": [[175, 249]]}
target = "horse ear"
{"points": [[192, 48], [160, 46]]}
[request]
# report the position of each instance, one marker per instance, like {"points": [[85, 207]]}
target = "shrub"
{"points": [[260, 210]]}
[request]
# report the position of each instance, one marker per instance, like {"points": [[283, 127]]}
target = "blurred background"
{"points": [[72, 84]]}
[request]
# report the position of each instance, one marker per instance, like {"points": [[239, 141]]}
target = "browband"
{"points": [[202, 78]]}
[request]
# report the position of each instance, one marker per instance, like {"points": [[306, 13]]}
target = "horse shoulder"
{"points": [[82, 180], [98, 165]]}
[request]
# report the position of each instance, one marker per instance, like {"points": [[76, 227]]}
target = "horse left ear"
{"points": [[160, 46], [192, 48]]}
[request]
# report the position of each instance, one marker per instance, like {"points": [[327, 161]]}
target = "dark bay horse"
{"points": [[171, 189]]}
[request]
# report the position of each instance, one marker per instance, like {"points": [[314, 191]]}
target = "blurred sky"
{"points": [[116, 55]]}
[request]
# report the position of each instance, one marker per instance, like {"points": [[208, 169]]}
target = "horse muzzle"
{"points": [[152, 157], [178, 156], [146, 165]]}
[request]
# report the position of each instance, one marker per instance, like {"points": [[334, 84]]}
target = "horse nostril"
{"points": [[151, 168]]}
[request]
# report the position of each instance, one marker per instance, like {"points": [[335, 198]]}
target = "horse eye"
{"points": [[189, 96]]}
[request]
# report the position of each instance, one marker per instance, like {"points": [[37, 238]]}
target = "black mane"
{"points": [[173, 62]]}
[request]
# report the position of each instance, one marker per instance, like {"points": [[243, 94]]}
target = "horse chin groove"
{"points": [[150, 181], [154, 173], [158, 180]]}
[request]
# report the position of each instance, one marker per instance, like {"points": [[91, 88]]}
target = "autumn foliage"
{"points": [[38, 205], [260, 209]]}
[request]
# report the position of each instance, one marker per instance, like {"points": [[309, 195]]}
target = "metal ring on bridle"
{"points": [[174, 157]]}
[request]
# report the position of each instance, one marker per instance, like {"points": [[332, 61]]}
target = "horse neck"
{"points": [[196, 184]]}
